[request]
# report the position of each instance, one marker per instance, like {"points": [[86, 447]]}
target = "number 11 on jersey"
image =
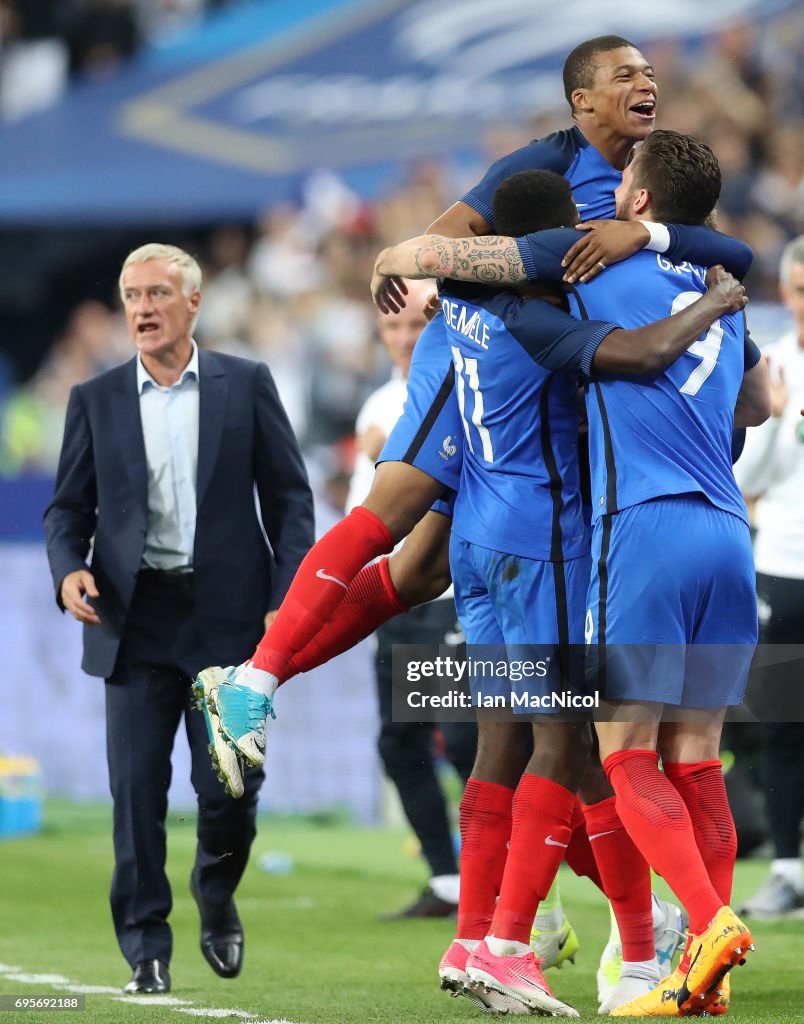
{"points": [[470, 366]]}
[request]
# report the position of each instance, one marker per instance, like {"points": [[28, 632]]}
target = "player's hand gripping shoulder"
{"points": [[603, 243], [725, 291]]}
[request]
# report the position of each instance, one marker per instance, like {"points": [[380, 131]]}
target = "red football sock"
{"points": [[580, 856], [320, 585], [626, 879], [370, 600], [658, 821], [703, 790], [540, 835], [485, 820]]}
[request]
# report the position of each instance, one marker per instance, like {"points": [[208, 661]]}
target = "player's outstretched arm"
{"points": [[496, 260], [489, 259], [651, 349], [458, 221]]}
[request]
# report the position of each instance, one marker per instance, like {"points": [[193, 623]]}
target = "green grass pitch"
{"points": [[315, 951]]}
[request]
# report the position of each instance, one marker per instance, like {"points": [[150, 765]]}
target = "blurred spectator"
{"points": [[340, 326], [734, 157], [101, 34], [228, 293], [779, 186], [33, 70], [275, 329], [32, 421], [282, 261], [772, 471]]}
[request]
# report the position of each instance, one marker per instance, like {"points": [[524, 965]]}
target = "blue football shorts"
{"points": [[672, 612], [429, 433], [521, 610]]}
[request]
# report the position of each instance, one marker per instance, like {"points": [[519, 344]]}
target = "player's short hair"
{"points": [[682, 175], [579, 67], [792, 253], [533, 201], [191, 272]]}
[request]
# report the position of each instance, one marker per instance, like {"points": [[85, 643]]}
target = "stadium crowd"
{"points": [[292, 289]]}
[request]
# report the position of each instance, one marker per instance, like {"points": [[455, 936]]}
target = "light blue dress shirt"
{"points": [[170, 432]]}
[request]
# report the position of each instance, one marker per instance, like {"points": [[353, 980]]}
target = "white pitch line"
{"points": [[7, 967], [153, 1000], [200, 1011], [93, 990], [37, 979]]}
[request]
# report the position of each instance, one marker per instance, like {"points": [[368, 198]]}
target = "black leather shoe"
{"points": [[221, 935], [149, 976], [427, 904]]}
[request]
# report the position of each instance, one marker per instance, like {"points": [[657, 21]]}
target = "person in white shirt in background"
{"points": [[407, 748], [771, 470]]}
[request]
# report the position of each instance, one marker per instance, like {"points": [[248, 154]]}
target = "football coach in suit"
{"points": [[157, 476]]}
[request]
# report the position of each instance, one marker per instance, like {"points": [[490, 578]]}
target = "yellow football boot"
{"points": [[724, 944]]}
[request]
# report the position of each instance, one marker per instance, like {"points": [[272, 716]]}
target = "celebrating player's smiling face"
{"points": [[623, 94]]}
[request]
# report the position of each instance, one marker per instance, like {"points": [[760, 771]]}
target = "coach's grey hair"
{"points": [[191, 272], [792, 253]]}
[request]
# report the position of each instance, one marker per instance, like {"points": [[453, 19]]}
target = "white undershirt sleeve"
{"points": [[659, 236]]}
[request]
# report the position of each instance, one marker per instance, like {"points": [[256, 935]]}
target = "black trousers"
{"points": [[782, 743], [407, 748], [146, 699]]}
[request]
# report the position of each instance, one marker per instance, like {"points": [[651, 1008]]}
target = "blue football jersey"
{"points": [[591, 177], [516, 365], [652, 437]]}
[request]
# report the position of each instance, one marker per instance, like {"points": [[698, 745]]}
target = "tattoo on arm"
{"points": [[488, 259]]}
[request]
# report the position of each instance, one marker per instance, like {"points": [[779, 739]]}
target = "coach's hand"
{"points": [[605, 242], [726, 290], [76, 587]]}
